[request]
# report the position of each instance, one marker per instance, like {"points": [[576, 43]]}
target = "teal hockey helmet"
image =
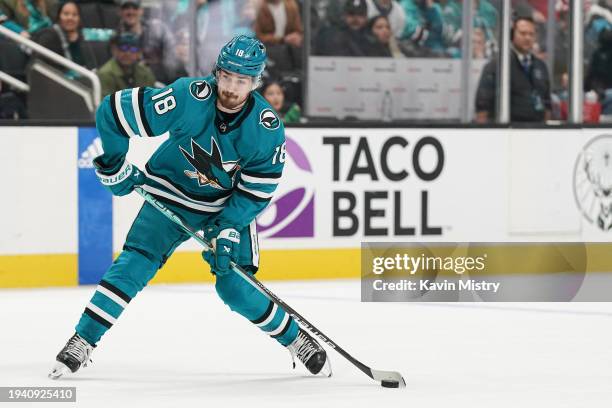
{"points": [[243, 55]]}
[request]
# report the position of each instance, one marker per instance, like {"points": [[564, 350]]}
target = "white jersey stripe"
{"points": [[101, 313], [270, 317], [175, 190], [111, 296], [256, 193], [259, 180], [179, 200], [280, 326], [141, 130], [124, 124], [254, 243]]}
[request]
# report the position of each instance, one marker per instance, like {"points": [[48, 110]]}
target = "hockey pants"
{"points": [[150, 242]]}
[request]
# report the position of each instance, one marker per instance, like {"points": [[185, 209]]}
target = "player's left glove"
{"points": [[225, 242], [122, 181]]}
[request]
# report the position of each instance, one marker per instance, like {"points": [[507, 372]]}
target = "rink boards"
{"points": [[340, 187]]}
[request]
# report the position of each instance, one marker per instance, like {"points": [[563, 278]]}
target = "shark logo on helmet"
{"points": [[268, 119]]}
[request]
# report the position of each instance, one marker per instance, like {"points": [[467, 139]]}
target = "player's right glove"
{"points": [[225, 242], [122, 181]]}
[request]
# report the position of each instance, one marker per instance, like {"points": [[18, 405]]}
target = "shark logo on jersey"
{"points": [[200, 90], [268, 119], [210, 169]]}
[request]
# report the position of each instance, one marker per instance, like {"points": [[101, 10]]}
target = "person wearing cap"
{"points": [[351, 38], [124, 69], [158, 43], [217, 170]]}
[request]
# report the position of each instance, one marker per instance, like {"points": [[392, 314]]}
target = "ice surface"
{"points": [[179, 346]]}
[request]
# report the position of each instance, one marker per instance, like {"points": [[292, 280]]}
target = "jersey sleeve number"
{"points": [[280, 154], [164, 102]]}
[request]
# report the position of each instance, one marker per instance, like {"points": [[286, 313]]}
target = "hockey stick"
{"points": [[391, 379]]}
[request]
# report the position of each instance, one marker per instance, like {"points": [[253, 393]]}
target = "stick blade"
{"points": [[389, 377]]}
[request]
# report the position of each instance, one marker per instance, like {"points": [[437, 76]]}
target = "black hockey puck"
{"points": [[389, 384]]}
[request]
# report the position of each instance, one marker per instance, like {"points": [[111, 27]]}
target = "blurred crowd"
{"points": [[132, 43]]}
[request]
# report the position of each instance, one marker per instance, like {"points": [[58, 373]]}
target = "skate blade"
{"points": [[326, 371], [58, 370]]}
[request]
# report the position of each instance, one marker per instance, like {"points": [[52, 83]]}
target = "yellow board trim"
{"points": [[28, 271], [184, 267], [281, 264]]}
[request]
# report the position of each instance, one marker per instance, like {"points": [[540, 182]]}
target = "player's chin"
{"points": [[230, 103]]}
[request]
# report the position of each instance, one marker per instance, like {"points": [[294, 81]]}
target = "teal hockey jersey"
{"points": [[207, 165]]}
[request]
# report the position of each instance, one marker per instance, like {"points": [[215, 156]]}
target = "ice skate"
{"points": [[73, 356], [310, 353]]}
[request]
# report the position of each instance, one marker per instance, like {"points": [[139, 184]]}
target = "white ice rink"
{"points": [[179, 346]]}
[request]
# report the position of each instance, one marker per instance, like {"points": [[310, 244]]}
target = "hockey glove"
{"points": [[122, 181], [225, 243]]}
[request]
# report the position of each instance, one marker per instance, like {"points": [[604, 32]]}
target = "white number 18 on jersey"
{"points": [[280, 154]]}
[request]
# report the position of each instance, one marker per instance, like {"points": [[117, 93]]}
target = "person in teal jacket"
{"points": [[218, 170], [486, 18], [27, 17], [424, 24]]}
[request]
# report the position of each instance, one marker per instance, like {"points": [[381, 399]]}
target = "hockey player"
{"points": [[218, 171]]}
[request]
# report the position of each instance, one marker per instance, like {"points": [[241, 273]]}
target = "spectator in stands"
{"points": [[562, 41], [10, 24], [278, 25], [479, 44], [217, 21], [597, 18], [275, 95], [12, 105], [182, 46], [248, 15], [536, 9], [351, 38], [65, 37], [390, 9], [27, 17], [124, 70], [486, 18], [157, 40], [332, 12], [530, 99], [182, 52], [599, 76], [380, 28], [424, 25], [175, 14], [279, 22]]}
